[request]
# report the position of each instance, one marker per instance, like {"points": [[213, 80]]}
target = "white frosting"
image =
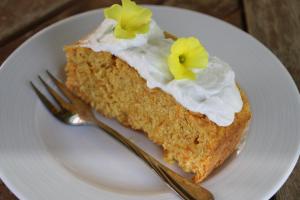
{"points": [[214, 92]]}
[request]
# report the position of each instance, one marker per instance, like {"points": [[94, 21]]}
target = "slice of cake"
{"points": [[183, 99]]}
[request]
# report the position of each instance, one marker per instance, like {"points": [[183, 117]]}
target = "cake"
{"points": [[198, 116]]}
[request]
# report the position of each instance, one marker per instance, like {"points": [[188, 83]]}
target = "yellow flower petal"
{"points": [[143, 29], [178, 70], [123, 34], [197, 58], [113, 12], [140, 17], [131, 19], [179, 46], [128, 4], [191, 42], [186, 53]]}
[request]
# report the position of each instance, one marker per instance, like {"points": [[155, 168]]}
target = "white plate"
{"points": [[40, 158]]}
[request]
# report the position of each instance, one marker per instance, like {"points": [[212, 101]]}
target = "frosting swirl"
{"points": [[214, 92]]}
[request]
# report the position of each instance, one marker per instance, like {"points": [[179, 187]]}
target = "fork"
{"points": [[74, 111]]}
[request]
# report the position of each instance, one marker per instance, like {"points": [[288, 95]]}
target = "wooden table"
{"points": [[275, 23]]}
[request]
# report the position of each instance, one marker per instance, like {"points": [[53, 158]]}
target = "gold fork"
{"points": [[76, 112]]}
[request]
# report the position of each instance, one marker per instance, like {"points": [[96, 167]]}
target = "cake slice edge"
{"points": [[116, 90]]}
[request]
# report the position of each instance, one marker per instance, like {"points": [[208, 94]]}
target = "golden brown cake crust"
{"points": [[117, 91]]}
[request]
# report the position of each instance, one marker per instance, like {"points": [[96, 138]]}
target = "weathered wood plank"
{"points": [[7, 48], [50, 12], [276, 24], [291, 189], [218, 8], [5, 194], [15, 15], [228, 10]]}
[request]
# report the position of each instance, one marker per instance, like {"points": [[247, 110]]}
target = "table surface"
{"points": [[275, 23]]}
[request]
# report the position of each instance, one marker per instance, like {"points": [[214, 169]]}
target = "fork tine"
{"points": [[60, 101], [61, 86], [44, 100]]}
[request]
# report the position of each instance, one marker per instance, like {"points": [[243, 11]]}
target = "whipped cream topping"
{"points": [[214, 92]]}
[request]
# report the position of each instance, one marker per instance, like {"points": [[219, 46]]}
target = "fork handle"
{"points": [[185, 188]]}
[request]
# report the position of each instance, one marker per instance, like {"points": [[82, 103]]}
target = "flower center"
{"points": [[181, 59], [123, 25]]}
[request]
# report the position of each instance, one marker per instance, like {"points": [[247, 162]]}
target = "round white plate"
{"points": [[40, 158]]}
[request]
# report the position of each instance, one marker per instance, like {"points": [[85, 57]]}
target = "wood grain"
{"points": [[16, 16], [9, 46], [5, 194], [276, 24], [291, 189], [228, 10], [273, 22]]}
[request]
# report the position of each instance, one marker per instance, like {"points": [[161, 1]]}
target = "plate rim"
{"points": [[65, 20]]}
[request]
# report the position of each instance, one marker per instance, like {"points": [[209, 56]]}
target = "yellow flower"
{"points": [[131, 19], [187, 53]]}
